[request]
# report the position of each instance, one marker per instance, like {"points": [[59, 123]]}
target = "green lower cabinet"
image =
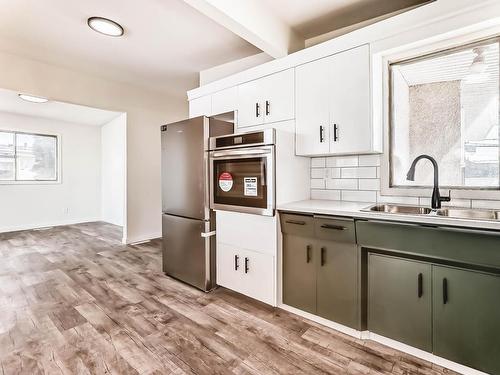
{"points": [[337, 282], [400, 300], [299, 272], [466, 313]]}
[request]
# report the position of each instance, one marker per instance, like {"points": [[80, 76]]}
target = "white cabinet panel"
{"points": [[200, 106], [249, 104], [225, 100], [350, 102], [312, 107], [278, 96], [247, 272], [266, 100], [334, 91]]}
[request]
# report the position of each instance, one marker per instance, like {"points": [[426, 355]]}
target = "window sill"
{"points": [[30, 182]]}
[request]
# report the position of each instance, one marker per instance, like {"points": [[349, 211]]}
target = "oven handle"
{"points": [[219, 154]]}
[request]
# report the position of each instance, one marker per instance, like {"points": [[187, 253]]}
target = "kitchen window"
{"points": [[446, 104], [28, 157]]}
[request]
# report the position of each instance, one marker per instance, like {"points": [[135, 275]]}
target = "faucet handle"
{"points": [[448, 198]]}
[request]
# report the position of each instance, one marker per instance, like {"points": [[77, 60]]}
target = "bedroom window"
{"points": [[27, 157], [446, 104]]}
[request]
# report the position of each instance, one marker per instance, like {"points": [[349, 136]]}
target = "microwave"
{"points": [[242, 172]]}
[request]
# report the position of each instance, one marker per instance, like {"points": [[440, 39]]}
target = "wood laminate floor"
{"points": [[74, 300]]}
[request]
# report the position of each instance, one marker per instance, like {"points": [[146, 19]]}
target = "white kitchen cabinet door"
{"points": [[250, 111], [312, 106], [228, 268], [224, 101], [350, 124], [277, 97], [258, 276], [201, 106]]}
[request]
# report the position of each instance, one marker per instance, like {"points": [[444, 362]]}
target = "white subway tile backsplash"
{"points": [[360, 172], [334, 173], [332, 195], [318, 172], [342, 161], [492, 205], [359, 196], [317, 183], [369, 184], [318, 162], [394, 199], [342, 184], [369, 160]]}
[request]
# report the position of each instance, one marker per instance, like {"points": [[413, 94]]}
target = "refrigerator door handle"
{"points": [[208, 234]]}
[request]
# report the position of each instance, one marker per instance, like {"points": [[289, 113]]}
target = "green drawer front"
{"points": [[299, 225], [335, 229], [464, 245]]}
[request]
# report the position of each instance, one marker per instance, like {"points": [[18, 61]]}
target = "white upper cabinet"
{"points": [[224, 101], [333, 104], [266, 100], [201, 106]]}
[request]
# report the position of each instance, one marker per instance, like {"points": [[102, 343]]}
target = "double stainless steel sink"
{"points": [[459, 213]]}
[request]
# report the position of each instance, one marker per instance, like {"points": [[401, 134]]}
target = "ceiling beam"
{"points": [[257, 25]]}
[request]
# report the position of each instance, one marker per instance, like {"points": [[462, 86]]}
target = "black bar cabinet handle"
{"points": [[445, 291], [330, 226], [308, 253], [335, 133], [323, 256], [420, 291], [321, 134], [246, 265], [257, 110], [297, 222], [236, 262], [268, 108]]}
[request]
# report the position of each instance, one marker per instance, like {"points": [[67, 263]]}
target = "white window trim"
{"points": [[59, 153], [384, 59]]}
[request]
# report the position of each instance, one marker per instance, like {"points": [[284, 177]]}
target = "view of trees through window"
{"points": [[27, 157], [447, 105]]}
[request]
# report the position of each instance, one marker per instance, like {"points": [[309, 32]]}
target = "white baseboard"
{"points": [[367, 335], [16, 228], [141, 238]]}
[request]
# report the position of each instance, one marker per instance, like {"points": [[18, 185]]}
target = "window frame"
{"points": [[423, 51], [57, 180]]}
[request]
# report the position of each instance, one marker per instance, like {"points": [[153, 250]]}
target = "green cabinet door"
{"points": [[299, 272], [466, 323], [399, 300], [337, 282]]}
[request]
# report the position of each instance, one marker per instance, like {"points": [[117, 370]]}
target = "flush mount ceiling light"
{"points": [[33, 99], [105, 26]]}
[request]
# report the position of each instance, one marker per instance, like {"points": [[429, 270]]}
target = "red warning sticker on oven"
{"points": [[226, 181]]}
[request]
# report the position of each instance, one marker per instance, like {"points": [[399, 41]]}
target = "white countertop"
{"points": [[353, 209]]}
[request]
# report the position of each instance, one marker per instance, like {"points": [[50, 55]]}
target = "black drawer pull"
{"points": [[321, 134], [336, 227], [335, 133], [296, 222], [246, 265], [420, 290], [268, 110], [445, 291], [323, 249], [236, 262], [257, 109], [308, 253]]}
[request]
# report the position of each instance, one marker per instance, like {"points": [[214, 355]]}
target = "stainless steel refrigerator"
{"points": [[188, 224]]}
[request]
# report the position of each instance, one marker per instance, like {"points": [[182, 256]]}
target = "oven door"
{"points": [[243, 180]]}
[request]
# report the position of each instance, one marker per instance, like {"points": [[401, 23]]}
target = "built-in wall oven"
{"points": [[242, 172]]}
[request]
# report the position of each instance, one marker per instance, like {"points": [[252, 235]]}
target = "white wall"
{"points": [[146, 111], [113, 170], [76, 199]]}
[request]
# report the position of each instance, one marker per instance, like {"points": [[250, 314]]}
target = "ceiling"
{"points": [[76, 114], [311, 18], [166, 42]]}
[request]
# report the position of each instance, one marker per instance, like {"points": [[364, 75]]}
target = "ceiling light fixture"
{"points": [[105, 26], [33, 99]]}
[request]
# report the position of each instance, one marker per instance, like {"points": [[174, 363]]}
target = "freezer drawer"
{"points": [[188, 251]]}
